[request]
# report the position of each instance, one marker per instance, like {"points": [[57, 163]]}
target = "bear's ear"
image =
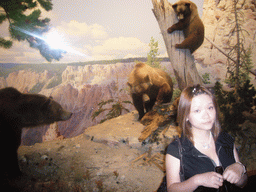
{"points": [[50, 97], [188, 5], [46, 104], [192, 6], [147, 79], [174, 6], [129, 84]]}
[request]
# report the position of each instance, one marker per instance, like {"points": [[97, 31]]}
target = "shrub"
{"points": [[232, 106]]}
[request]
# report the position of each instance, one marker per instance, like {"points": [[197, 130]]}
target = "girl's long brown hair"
{"points": [[184, 110]]}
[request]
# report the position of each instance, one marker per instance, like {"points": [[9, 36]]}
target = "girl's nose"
{"points": [[206, 114]]}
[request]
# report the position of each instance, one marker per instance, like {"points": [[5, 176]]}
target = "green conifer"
{"points": [[26, 24]]}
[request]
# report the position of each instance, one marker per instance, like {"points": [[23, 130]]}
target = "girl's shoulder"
{"points": [[173, 148], [225, 139]]}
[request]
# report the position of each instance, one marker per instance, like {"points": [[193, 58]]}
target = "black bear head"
{"points": [[35, 109], [28, 110]]}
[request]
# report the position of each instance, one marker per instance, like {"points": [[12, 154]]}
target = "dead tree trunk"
{"points": [[181, 59]]}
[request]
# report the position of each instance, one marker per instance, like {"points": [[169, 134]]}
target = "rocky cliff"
{"points": [[82, 88], [26, 80], [219, 21], [79, 90], [97, 74]]}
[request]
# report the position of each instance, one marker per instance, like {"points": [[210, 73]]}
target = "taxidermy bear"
{"points": [[18, 110], [190, 23], [151, 82]]}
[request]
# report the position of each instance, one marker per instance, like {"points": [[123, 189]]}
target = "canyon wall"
{"points": [[219, 21], [80, 91]]}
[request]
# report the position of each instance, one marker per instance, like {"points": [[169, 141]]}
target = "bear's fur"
{"points": [[155, 83], [18, 110], [190, 23]]}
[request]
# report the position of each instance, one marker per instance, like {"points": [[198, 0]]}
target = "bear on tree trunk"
{"points": [[18, 110], [190, 23], [151, 82]]}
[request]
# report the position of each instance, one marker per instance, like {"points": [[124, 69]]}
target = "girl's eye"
{"points": [[197, 111], [211, 108]]}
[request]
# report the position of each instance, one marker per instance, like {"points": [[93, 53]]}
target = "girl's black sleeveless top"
{"points": [[194, 162]]}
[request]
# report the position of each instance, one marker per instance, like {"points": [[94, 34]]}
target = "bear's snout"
{"points": [[66, 115], [180, 16]]}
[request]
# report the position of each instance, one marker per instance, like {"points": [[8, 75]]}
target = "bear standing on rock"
{"points": [[155, 83], [18, 110], [190, 23]]}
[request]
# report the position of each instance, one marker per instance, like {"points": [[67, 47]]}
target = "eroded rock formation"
{"points": [[219, 21]]}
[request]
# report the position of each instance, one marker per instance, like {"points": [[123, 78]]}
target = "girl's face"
{"points": [[202, 112]]}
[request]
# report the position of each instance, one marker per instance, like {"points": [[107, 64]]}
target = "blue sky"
{"points": [[96, 30]]}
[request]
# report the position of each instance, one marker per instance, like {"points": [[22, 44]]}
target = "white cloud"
{"points": [[98, 32], [20, 52], [4, 28], [85, 42], [79, 38], [74, 28], [103, 57], [131, 56], [120, 47]]}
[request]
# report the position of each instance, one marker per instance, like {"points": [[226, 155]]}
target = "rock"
{"points": [[172, 131], [124, 129], [52, 133], [25, 80], [3, 82], [218, 21], [23, 159], [44, 157]]}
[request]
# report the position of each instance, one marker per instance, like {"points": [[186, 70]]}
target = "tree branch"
{"points": [[181, 59], [220, 50]]}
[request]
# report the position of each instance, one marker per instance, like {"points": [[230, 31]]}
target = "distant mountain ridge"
{"points": [[58, 68]]}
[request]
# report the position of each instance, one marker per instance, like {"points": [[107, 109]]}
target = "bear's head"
{"points": [[35, 109], [56, 111], [164, 94], [141, 86], [28, 110], [184, 8]]}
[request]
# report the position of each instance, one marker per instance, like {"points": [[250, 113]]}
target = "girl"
{"points": [[204, 146]]}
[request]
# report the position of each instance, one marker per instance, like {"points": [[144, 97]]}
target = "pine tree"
{"points": [[152, 59], [240, 64], [26, 24]]}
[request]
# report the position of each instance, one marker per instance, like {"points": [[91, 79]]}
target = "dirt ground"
{"points": [[107, 157], [79, 164]]}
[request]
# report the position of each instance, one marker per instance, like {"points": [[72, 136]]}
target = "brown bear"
{"points": [[190, 23], [18, 110], [150, 82]]}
